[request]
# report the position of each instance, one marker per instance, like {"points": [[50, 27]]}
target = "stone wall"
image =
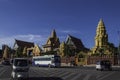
{"points": [[67, 59], [94, 59]]}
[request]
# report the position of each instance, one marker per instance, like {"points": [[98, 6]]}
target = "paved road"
{"points": [[81, 73]]}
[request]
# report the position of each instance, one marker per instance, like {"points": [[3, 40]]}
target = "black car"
{"points": [[6, 62]]}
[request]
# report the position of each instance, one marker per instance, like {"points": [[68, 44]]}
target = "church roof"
{"points": [[53, 40], [23, 44], [77, 42], [53, 34]]}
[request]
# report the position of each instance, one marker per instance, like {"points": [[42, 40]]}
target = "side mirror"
{"points": [[11, 61]]}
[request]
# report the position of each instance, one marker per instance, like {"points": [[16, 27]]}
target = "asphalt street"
{"points": [[64, 73]]}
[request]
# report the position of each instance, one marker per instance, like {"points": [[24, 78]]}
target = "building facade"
{"points": [[20, 47], [102, 45], [72, 46], [52, 43]]}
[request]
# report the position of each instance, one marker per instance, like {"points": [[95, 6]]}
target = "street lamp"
{"points": [[119, 48]]}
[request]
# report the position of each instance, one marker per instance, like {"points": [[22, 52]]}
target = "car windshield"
{"points": [[21, 63], [103, 62], [107, 62]]}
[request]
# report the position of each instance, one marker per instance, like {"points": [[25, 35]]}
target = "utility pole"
{"points": [[118, 47]]}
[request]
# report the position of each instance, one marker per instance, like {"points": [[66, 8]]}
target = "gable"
{"points": [[15, 46], [69, 42]]}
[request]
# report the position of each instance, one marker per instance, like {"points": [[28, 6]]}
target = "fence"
{"points": [[94, 59], [67, 59]]}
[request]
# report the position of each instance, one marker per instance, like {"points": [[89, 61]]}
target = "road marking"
{"points": [[56, 73], [2, 72], [77, 76], [100, 75], [87, 77], [65, 73], [106, 76], [65, 77]]}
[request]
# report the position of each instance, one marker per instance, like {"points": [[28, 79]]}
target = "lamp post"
{"points": [[118, 48]]}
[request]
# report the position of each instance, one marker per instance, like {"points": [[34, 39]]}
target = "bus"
{"points": [[47, 60]]}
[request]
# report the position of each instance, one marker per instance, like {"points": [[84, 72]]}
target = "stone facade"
{"points": [[27, 48], [102, 46], [37, 51], [6, 52], [72, 46], [52, 43]]}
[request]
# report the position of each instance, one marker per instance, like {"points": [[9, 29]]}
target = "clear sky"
{"points": [[33, 20]]}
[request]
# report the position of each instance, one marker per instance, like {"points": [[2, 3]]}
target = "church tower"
{"points": [[101, 38], [53, 34], [52, 43]]}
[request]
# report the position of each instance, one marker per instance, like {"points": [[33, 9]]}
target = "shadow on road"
{"points": [[45, 78]]}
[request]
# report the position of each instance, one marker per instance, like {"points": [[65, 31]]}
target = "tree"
{"points": [[81, 54], [6, 53], [25, 52], [19, 52], [62, 49]]}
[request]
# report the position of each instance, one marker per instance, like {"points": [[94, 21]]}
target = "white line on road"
{"points": [[65, 77], [77, 76], [56, 73], [65, 73], [107, 75], [87, 77]]}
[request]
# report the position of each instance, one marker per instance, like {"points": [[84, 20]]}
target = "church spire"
{"points": [[101, 23], [53, 34], [101, 37]]}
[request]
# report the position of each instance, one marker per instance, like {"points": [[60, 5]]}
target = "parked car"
{"points": [[103, 65]]}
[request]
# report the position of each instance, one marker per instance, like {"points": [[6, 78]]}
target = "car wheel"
{"points": [[101, 69], [110, 69], [97, 69], [49, 65]]}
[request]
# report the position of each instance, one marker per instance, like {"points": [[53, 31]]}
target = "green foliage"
{"points": [[24, 52], [81, 54], [69, 51], [64, 48], [19, 52]]}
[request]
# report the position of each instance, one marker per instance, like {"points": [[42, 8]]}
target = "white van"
{"points": [[20, 68]]}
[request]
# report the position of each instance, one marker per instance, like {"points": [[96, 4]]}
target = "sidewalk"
{"points": [[93, 65], [65, 64]]}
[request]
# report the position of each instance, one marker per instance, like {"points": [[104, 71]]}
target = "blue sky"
{"points": [[33, 20]]}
